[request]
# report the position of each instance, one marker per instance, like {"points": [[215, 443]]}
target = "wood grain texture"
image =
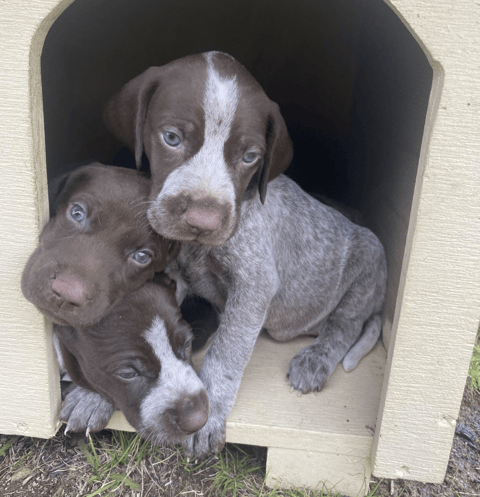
{"points": [[348, 475], [428, 364], [28, 371]]}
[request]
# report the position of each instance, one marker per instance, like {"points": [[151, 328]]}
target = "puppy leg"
{"points": [[229, 353], [87, 411], [310, 369]]}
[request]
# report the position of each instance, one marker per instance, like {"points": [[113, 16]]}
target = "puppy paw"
{"points": [[309, 370], [85, 411], [209, 440]]}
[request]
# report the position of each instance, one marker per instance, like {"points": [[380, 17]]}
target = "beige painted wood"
{"points": [[28, 373], [335, 425], [345, 474], [439, 311]]}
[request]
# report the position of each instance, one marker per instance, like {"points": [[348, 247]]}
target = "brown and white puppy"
{"points": [[283, 262], [97, 247], [136, 359], [212, 137]]}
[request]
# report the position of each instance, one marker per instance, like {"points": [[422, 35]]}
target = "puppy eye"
{"points": [[78, 213], [171, 139], [250, 157], [127, 373], [142, 257]]}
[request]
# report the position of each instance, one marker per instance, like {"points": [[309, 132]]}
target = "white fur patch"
{"points": [[206, 173], [176, 377]]}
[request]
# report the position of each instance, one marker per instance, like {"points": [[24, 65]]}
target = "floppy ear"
{"points": [[126, 111], [279, 150]]}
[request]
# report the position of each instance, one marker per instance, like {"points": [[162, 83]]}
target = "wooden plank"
{"points": [[348, 475], [29, 379], [439, 315]]}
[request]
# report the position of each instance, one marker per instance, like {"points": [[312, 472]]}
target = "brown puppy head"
{"points": [[212, 137], [139, 359], [96, 248]]}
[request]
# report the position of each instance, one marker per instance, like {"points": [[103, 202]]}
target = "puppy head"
{"points": [[212, 137], [139, 359], [97, 247]]}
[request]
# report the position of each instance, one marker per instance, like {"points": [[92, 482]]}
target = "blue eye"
{"points": [[142, 257], [171, 139], [250, 157], [78, 213]]}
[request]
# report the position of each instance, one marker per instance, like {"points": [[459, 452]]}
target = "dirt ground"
{"points": [[66, 467]]}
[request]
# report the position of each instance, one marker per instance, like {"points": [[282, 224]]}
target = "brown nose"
{"points": [[203, 220], [70, 289], [191, 413]]}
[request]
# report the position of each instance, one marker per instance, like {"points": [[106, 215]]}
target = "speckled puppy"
{"points": [[281, 261]]}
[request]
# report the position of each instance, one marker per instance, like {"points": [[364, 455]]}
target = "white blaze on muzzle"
{"points": [[176, 379], [206, 173]]}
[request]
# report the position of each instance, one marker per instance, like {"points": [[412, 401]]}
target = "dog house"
{"points": [[382, 102]]}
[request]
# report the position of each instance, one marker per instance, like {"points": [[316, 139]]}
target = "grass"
{"points": [[231, 474], [123, 464]]}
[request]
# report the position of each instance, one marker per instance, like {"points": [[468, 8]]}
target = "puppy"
{"points": [[96, 248], [136, 359], [283, 261]]}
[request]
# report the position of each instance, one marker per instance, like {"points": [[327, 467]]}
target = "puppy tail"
{"points": [[371, 333]]}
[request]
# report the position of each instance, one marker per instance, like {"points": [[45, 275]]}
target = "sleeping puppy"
{"points": [[283, 261], [96, 248], [136, 359]]}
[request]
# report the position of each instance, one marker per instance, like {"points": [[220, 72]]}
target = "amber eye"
{"points": [[78, 213], [142, 257], [250, 157], [171, 139]]}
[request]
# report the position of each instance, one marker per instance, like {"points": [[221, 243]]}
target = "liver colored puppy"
{"points": [[283, 261], [136, 359], [96, 248]]}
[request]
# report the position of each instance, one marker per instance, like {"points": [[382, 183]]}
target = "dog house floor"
{"points": [[314, 439]]}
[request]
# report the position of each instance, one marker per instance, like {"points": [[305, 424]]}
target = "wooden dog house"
{"points": [[382, 101]]}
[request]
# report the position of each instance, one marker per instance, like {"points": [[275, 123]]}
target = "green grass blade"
{"points": [[5, 447]]}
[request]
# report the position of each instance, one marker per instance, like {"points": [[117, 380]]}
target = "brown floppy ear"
{"points": [[126, 111], [279, 150]]}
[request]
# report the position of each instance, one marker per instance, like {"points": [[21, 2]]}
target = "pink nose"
{"points": [[70, 289], [203, 220]]}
